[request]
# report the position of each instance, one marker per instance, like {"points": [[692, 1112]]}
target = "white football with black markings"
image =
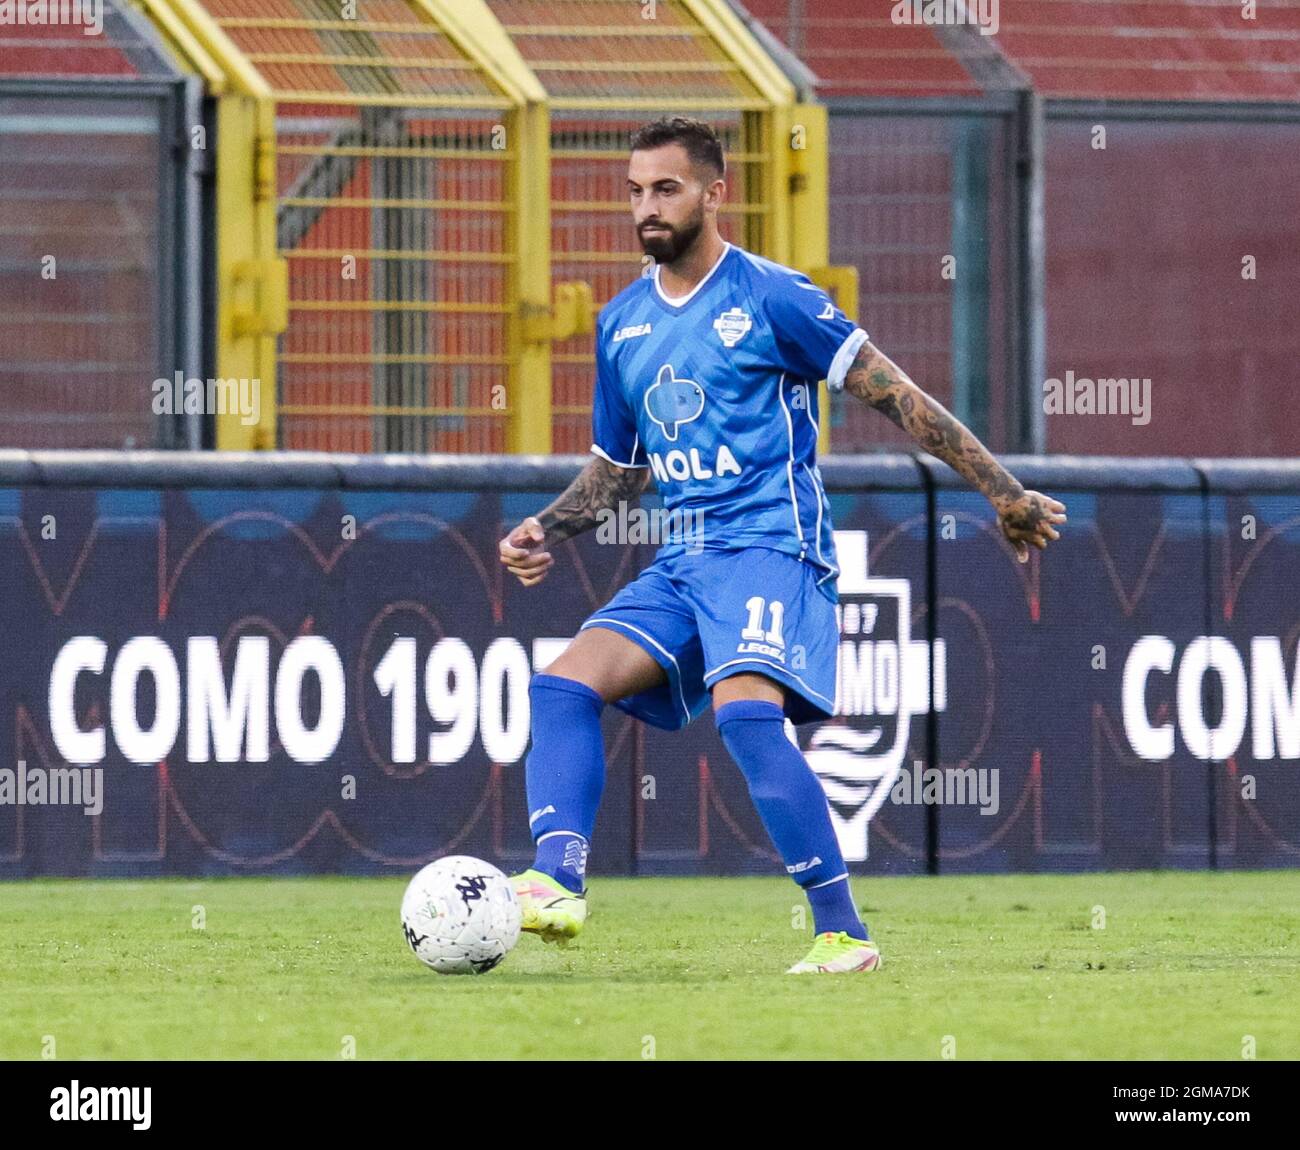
{"points": [[460, 915]]}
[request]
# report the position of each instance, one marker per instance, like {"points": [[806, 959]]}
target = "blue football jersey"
{"points": [[716, 392]]}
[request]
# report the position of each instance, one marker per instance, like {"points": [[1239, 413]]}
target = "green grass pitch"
{"points": [[1186, 967]]}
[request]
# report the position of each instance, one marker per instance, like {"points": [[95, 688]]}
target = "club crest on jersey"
{"points": [[632, 332], [670, 401], [732, 326]]}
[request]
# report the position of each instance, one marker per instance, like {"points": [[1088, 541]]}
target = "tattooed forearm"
{"points": [[877, 380], [600, 485]]}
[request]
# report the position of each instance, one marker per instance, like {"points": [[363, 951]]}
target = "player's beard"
{"points": [[668, 249]]}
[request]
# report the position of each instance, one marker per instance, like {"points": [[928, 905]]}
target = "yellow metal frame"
{"points": [[472, 26], [184, 46], [252, 281], [810, 225], [252, 292]]}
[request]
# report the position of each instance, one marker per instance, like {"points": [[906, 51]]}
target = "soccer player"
{"points": [[706, 383]]}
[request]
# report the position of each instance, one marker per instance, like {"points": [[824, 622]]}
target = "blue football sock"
{"points": [[792, 805], [564, 775], [563, 856], [833, 909]]}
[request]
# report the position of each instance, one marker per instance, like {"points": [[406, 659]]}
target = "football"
{"points": [[460, 915]]}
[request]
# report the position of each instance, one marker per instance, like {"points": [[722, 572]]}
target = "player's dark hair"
{"points": [[698, 138]]}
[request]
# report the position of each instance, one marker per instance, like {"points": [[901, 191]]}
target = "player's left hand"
{"points": [[1028, 519]]}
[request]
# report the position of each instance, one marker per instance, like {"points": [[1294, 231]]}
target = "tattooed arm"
{"points": [[599, 486], [1025, 516]]}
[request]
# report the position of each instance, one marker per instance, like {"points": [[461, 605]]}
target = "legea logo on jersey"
{"points": [[732, 326], [633, 332], [670, 401], [883, 682]]}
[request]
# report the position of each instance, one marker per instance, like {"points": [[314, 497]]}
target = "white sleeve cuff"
{"points": [[606, 457], [844, 359]]}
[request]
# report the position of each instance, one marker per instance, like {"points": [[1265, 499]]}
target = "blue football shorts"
{"points": [[721, 612]]}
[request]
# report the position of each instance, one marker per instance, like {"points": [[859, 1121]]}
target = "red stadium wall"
{"points": [[1122, 49], [1145, 240], [856, 50], [79, 273], [1145, 278], [1137, 50], [80, 208], [892, 217], [36, 50]]}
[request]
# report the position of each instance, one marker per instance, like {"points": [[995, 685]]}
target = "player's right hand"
{"points": [[524, 554]]}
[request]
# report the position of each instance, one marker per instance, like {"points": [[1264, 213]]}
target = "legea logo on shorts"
{"points": [[883, 682]]}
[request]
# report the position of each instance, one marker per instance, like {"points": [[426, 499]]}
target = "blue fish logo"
{"points": [[671, 402]]}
